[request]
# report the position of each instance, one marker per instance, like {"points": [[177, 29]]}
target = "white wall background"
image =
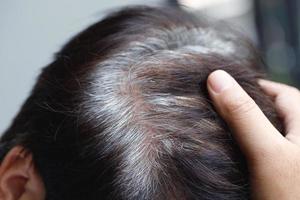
{"points": [[31, 31]]}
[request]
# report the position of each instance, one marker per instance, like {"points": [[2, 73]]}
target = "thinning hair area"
{"points": [[123, 111]]}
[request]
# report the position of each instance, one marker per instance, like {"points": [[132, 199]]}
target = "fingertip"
{"points": [[219, 81]]}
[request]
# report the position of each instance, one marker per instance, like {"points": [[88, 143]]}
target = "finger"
{"points": [[273, 88], [251, 128], [287, 102]]}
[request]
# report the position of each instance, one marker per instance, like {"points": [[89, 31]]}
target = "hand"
{"points": [[273, 159]]}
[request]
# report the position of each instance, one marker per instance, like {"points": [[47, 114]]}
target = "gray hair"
{"points": [[123, 112]]}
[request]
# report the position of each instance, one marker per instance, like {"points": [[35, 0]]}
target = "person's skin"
{"points": [[19, 179], [273, 159]]}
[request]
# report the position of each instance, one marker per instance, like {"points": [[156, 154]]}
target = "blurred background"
{"points": [[31, 31]]}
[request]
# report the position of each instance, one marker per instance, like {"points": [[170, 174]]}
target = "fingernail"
{"points": [[219, 81]]}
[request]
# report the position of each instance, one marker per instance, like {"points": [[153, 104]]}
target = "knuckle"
{"points": [[240, 106]]}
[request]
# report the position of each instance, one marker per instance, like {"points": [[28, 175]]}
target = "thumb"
{"points": [[251, 128]]}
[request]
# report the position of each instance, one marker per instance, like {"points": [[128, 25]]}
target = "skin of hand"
{"points": [[273, 159]]}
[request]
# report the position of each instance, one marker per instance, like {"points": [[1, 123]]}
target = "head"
{"points": [[123, 113]]}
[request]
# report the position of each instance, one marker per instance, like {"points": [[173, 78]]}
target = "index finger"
{"points": [[251, 128]]}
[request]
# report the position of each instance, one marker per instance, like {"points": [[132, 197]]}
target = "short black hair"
{"points": [[123, 112]]}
